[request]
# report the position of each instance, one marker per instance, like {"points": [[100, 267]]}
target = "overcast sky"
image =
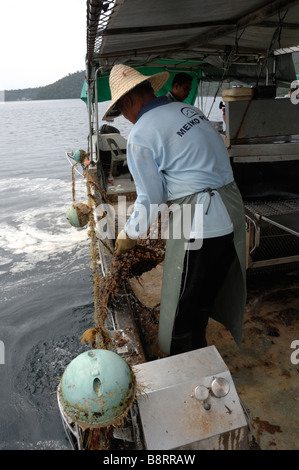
{"points": [[41, 41]]}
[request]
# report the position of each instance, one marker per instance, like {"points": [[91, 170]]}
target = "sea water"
{"points": [[46, 297]]}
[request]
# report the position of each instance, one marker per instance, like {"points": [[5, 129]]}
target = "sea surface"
{"points": [[46, 298]]}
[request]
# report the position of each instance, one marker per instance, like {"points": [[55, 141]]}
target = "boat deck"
{"points": [[122, 185], [263, 372], [264, 375]]}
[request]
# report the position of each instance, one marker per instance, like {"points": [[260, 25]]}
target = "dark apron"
{"points": [[229, 305]]}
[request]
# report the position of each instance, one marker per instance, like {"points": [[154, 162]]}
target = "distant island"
{"points": [[65, 88]]}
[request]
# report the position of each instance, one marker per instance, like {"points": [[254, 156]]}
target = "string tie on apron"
{"points": [[211, 193]]}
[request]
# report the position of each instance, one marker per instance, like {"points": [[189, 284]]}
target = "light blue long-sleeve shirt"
{"points": [[173, 151]]}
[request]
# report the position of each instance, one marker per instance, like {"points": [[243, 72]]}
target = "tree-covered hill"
{"points": [[65, 88]]}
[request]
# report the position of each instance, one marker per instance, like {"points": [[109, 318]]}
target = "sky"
{"points": [[41, 41]]}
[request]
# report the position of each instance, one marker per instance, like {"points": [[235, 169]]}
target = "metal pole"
{"points": [[89, 105], [97, 114]]}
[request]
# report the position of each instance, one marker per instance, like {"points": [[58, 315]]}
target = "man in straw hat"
{"points": [[175, 155]]}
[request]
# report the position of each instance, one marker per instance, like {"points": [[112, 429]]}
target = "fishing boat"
{"points": [[196, 400]]}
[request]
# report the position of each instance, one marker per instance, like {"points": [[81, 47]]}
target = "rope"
{"points": [[210, 192], [73, 181]]}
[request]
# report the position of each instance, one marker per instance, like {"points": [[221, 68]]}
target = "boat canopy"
{"points": [[214, 41]]}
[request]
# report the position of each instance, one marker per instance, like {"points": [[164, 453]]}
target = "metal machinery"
{"points": [[263, 142], [189, 401]]}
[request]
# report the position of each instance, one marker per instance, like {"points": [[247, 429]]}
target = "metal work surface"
{"points": [[179, 408]]}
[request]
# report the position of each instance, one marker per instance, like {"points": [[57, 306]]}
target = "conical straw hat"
{"points": [[123, 79]]}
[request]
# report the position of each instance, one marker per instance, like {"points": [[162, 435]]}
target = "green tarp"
{"points": [[104, 90]]}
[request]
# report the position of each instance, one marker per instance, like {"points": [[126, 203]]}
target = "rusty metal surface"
{"points": [[265, 371]]}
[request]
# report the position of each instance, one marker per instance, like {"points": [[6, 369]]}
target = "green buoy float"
{"points": [[80, 156], [97, 389], [78, 214]]}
